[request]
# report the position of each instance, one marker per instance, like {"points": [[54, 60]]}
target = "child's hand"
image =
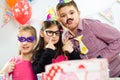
{"points": [[9, 67], [50, 44], [68, 46]]}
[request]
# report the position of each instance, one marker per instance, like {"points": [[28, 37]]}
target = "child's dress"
{"points": [[60, 58], [23, 70]]}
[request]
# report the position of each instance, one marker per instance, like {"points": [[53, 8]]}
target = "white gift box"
{"points": [[90, 69]]}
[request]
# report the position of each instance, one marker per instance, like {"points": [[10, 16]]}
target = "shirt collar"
{"points": [[80, 26]]}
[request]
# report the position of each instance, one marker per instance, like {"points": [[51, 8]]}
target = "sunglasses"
{"points": [[51, 33], [28, 39]]}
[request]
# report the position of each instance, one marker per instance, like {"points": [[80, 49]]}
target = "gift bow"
{"points": [[83, 48]]}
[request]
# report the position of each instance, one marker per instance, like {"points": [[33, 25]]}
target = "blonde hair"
{"points": [[28, 28]]}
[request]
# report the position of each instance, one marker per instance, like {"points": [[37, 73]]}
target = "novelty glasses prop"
{"points": [[28, 39], [51, 33]]}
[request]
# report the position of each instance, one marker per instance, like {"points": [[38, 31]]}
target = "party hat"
{"points": [[64, 1], [51, 15], [83, 48]]}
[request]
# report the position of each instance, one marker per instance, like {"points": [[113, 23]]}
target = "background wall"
{"points": [[8, 40]]}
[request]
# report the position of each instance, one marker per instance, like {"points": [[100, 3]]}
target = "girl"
{"points": [[50, 48], [20, 67]]}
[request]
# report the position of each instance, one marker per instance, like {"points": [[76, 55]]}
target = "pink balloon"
{"points": [[22, 11]]}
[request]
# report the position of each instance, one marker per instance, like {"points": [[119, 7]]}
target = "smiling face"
{"points": [[50, 33], [26, 42]]}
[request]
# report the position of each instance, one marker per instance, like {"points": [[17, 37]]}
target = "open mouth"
{"points": [[25, 48]]}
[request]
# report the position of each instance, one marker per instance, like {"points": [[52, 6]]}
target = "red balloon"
{"points": [[22, 11]]}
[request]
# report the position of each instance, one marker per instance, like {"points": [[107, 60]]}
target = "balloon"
{"points": [[22, 11], [11, 3]]}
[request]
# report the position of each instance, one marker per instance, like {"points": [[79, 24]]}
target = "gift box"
{"points": [[90, 69]]}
